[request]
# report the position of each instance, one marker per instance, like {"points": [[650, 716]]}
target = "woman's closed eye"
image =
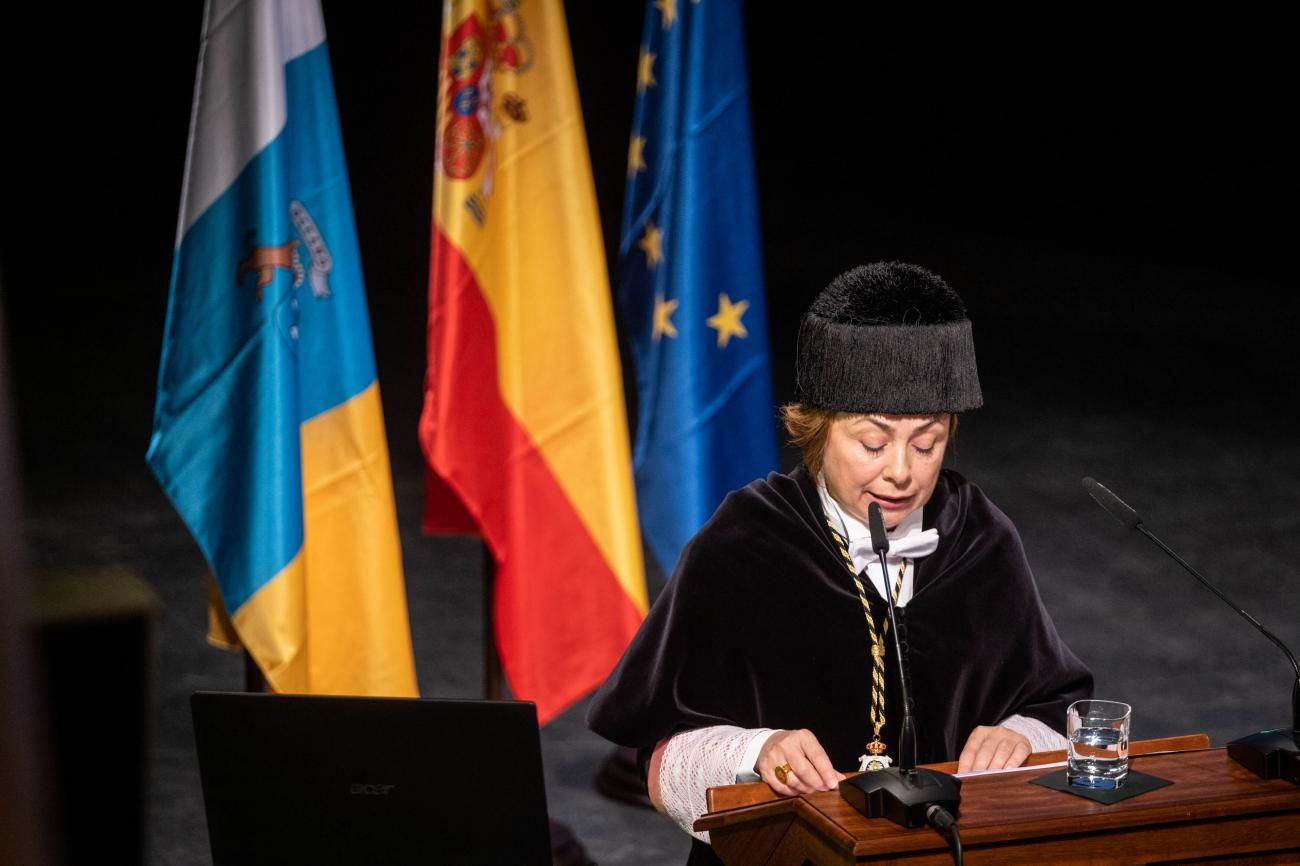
{"points": [[925, 445]]}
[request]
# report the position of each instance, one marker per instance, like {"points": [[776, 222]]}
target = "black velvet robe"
{"points": [[761, 626]]}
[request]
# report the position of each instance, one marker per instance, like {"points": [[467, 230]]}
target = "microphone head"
{"points": [[1116, 507], [876, 520]]}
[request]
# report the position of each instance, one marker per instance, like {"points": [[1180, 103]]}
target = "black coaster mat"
{"points": [[1136, 783]]}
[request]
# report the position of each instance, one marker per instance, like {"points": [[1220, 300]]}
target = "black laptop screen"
{"points": [[298, 779]]}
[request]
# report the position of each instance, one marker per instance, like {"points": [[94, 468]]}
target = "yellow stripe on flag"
{"points": [[272, 626], [325, 623]]}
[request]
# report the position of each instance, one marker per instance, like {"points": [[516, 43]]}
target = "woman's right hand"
{"points": [[809, 767]]}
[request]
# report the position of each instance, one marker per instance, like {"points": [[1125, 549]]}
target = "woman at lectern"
{"points": [[769, 654]]}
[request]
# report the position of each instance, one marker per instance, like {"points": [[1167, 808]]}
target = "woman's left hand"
{"points": [[992, 747]]}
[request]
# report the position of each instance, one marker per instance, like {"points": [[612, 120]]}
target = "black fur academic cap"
{"points": [[891, 338]]}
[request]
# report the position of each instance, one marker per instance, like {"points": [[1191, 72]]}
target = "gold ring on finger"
{"points": [[782, 773]]}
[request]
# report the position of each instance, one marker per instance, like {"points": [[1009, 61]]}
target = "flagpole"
{"points": [[492, 678], [253, 679]]}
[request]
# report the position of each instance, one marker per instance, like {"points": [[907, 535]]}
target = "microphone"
{"points": [[1268, 754], [903, 794], [1116, 507], [876, 523]]}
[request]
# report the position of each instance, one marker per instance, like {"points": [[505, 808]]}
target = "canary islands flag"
{"points": [[268, 432], [690, 274]]}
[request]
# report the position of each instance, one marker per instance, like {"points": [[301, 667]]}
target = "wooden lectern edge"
{"points": [[732, 798]]}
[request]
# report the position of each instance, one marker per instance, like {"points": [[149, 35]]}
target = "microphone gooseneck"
{"points": [[1230, 603], [1271, 761], [1125, 514], [907, 730]]}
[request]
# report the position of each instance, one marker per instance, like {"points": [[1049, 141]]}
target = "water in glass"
{"points": [[1098, 754]]}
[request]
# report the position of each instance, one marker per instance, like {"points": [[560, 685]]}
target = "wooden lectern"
{"points": [[1215, 812]]}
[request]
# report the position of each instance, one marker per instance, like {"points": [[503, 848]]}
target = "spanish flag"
{"points": [[524, 425], [268, 431]]}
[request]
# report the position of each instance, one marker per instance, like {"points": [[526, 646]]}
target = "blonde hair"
{"points": [[810, 428]]}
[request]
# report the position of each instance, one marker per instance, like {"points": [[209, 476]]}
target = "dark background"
{"points": [[1093, 193], [1117, 204]]}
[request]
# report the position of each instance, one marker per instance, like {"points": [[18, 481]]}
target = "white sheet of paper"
{"points": [[1009, 770]]}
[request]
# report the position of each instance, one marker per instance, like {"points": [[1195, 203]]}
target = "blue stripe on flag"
{"points": [[239, 374]]}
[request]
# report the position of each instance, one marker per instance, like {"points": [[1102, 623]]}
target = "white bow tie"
{"points": [[913, 545], [909, 546]]}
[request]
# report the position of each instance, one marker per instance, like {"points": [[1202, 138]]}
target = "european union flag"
{"points": [[690, 274]]}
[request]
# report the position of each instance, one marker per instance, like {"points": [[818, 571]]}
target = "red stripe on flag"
{"points": [[562, 619]]}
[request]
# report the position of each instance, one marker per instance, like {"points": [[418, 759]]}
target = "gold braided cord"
{"points": [[876, 637]]}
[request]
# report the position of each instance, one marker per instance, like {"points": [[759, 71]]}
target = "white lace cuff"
{"points": [[745, 771], [694, 761], [1041, 737]]}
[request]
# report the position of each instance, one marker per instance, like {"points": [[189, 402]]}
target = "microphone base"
{"points": [[902, 796], [1269, 754]]}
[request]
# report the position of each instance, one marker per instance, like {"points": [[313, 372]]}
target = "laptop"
{"points": [[324, 780]]}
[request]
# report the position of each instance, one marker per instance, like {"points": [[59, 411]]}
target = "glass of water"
{"points": [[1098, 733]]}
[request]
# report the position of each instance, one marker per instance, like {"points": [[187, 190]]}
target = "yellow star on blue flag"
{"points": [[726, 321], [664, 310], [667, 11]]}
